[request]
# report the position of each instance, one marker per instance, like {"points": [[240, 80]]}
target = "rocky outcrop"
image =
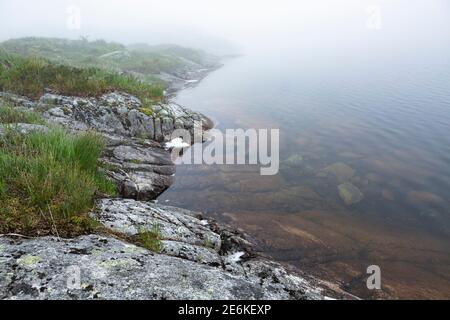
{"points": [[135, 157], [142, 170], [120, 114], [182, 232], [199, 259]]}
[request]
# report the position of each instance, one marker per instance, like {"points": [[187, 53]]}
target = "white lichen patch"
{"points": [[110, 264], [129, 248], [28, 261]]}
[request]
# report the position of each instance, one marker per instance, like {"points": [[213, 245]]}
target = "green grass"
{"points": [[147, 111], [90, 68], [61, 51], [150, 239], [49, 182], [141, 58], [30, 76], [10, 115]]}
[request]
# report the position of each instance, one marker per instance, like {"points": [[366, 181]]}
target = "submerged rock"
{"points": [[349, 193], [387, 195], [295, 160], [425, 197], [341, 171]]}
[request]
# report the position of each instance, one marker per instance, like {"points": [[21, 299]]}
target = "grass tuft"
{"points": [[49, 181], [150, 239]]}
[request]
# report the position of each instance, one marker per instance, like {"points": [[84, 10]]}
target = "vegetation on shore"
{"points": [[150, 239], [139, 59], [30, 65], [30, 76], [48, 179]]}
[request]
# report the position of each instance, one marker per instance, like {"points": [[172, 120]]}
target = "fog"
{"points": [[229, 26]]}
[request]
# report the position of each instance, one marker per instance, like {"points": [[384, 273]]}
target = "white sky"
{"points": [[244, 23]]}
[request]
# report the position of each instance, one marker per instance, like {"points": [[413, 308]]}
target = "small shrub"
{"points": [[147, 111], [150, 239]]}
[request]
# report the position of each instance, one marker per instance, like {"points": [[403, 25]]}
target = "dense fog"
{"points": [[225, 26]]}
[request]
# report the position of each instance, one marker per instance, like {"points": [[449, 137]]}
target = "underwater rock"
{"points": [[387, 195], [373, 177], [294, 160], [349, 193], [424, 197], [340, 170]]}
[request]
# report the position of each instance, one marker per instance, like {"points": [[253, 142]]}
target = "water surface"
{"points": [[376, 103]]}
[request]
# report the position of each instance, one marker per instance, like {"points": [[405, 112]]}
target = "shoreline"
{"points": [[142, 170], [331, 288]]}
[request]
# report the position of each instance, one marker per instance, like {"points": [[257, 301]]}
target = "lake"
{"points": [[372, 110]]}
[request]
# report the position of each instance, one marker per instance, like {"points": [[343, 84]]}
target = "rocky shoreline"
{"points": [[197, 259]]}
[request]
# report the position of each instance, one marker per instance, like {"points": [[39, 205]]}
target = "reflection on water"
{"points": [[364, 176]]}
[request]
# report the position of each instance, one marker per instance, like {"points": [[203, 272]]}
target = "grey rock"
{"points": [[158, 130], [167, 127], [57, 112], [22, 128], [17, 100], [141, 171], [141, 125], [117, 113], [47, 268], [131, 217]]}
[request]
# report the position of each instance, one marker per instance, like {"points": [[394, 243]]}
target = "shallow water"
{"points": [[380, 108]]}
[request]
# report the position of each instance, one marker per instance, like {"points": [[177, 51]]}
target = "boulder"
{"points": [[425, 197], [349, 193], [141, 170], [294, 160], [340, 171]]}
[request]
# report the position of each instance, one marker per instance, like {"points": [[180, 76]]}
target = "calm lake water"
{"points": [[372, 110]]}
